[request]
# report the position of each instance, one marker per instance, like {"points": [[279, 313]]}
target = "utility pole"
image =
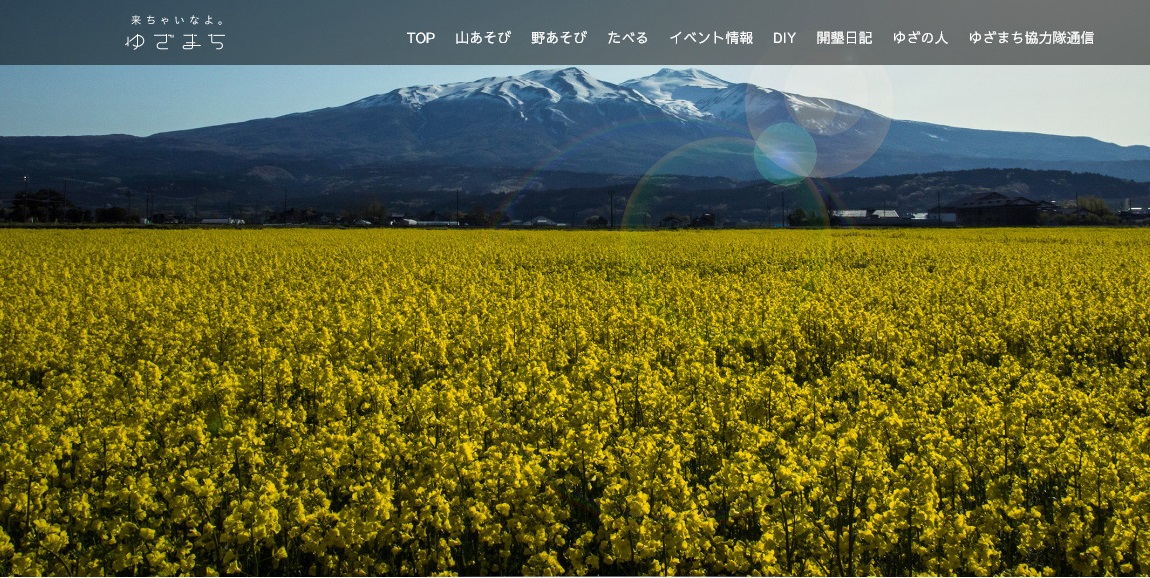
{"points": [[767, 202], [27, 205], [612, 195], [285, 205], [783, 208]]}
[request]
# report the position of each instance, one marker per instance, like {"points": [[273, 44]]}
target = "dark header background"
{"points": [[376, 32]]}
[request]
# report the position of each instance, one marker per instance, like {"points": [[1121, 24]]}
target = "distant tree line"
{"points": [[50, 206]]}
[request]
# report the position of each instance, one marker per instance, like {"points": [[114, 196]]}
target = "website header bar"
{"points": [[588, 31]]}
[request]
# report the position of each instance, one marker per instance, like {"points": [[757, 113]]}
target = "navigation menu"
{"points": [[592, 32]]}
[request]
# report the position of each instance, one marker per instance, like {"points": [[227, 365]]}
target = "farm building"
{"points": [[994, 210]]}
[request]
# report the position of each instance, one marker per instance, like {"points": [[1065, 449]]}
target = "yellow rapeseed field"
{"points": [[505, 402]]}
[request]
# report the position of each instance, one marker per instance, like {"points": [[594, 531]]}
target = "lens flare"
{"points": [[654, 195], [844, 114], [785, 153]]}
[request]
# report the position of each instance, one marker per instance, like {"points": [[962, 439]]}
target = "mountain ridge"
{"points": [[684, 122], [567, 103]]}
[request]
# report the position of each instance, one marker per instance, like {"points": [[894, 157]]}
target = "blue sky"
{"points": [[1104, 102]]}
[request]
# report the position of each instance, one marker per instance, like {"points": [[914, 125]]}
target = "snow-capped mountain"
{"points": [[670, 85], [680, 91], [538, 88], [573, 83], [565, 117], [688, 95], [686, 121]]}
